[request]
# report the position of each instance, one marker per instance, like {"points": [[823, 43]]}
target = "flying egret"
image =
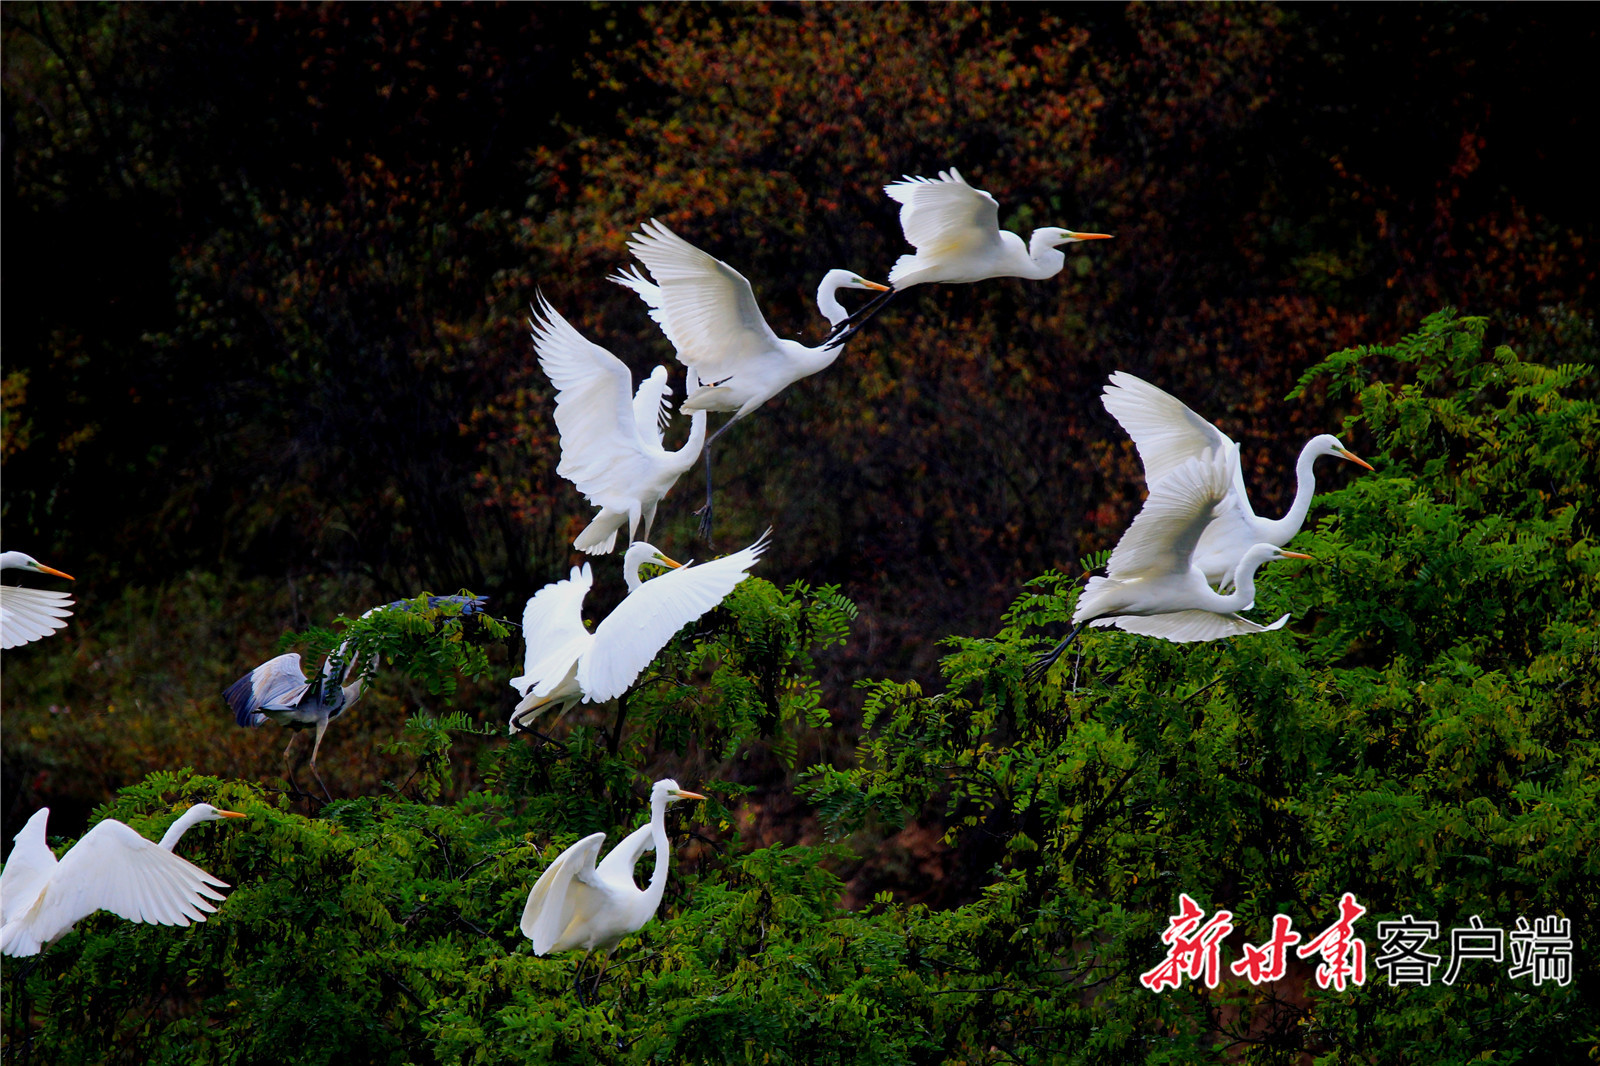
{"points": [[1168, 434], [576, 904], [708, 312], [278, 691], [611, 446], [566, 664], [112, 868], [1153, 586], [28, 614]]}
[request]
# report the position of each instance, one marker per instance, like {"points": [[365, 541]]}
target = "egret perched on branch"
{"points": [[28, 614], [709, 313], [566, 664], [1153, 586], [611, 446], [1168, 434], [112, 868], [576, 904], [278, 691]]}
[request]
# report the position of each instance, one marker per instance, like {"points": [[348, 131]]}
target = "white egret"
{"points": [[576, 904], [1153, 586], [566, 664], [708, 312], [611, 446], [1168, 434], [111, 868], [277, 690], [28, 614], [956, 231]]}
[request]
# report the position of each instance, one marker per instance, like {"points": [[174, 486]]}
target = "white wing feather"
{"points": [[629, 638], [600, 449], [28, 614], [707, 308], [27, 869], [113, 868], [617, 867], [1164, 430], [1163, 534], [1183, 627], [560, 893], [945, 216], [279, 683], [552, 626]]}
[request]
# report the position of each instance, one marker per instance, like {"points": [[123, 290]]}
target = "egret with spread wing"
{"points": [[111, 868], [1153, 586], [577, 904], [28, 614], [611, 446], [566, 664], [1168, 434], [709, 313]]}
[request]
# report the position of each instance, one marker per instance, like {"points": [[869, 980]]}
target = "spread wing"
{"points": [[641, 625], [113, 868], [945, 216], [28, 869], [1163, 534], [277, 684], [617, 867], [600, 449], [28, 614], [552, 626], [562, 892], [1166, 433], [1183, 627], [652, 407], [707, 308]]}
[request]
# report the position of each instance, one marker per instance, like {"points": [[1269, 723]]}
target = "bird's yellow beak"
{"points": [[1089, 236], [664, 561], [874, 285], [1345, 453], [1294, 555], [43, 569], [230, 814], [681, 794]]}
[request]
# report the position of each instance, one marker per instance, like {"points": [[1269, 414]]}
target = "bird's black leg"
{"points": [[1043, 663], [577, 979], [705, 512], [853, 322]]}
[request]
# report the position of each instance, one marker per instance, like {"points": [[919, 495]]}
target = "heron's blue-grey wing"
{"points": [[276, 685]]}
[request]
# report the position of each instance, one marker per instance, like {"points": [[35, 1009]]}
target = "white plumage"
{"points": [[1168, 434], [28, 614], [111, 868], [611, 445], [576, 904], [955, 229], [566, 664]]}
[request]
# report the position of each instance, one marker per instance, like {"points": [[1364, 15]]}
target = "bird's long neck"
{"points": [[1244, 583], [191, 818], [658, 833], [697, 440], [828, 300], [1282, 530], [1047, 258]]}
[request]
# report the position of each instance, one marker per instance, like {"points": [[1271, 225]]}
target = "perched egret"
{"points": [[28, 614], [1153, 586], [956, 231], [278, 691], [1168, 434], [576, 904], [611, 446], [708, 312], [112, 868], [566, 664]]}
